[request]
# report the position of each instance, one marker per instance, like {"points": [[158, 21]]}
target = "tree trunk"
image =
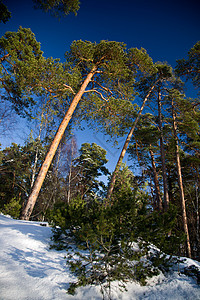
{"points": [[46, 164], [37, 150], [72, 151], [180, 183], [162, 152], [156, 182], [13, 183], [123, 152], [55, 183], [36, 159], [197, 210], [69, 185], [34, 167]]}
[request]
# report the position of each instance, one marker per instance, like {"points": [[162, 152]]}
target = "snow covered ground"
{"points": [[30, 271]]}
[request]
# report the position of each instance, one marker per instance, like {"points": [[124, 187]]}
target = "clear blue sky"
{"points": [[166, 29]]}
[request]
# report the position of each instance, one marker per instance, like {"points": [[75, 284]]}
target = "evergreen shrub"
{"points": [[107, 243], [12, 208]]}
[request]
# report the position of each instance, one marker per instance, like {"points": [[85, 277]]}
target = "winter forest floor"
{"points": [[30, 271]]}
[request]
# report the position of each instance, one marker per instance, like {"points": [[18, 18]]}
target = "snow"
{"points": [[29, 270]]}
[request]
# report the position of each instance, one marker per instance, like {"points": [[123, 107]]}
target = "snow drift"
{"points": [[29, 270]]}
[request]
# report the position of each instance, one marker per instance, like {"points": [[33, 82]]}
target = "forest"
{"points": [[122, 93]]}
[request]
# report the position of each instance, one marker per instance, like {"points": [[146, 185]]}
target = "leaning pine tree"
{"points": [[102, 67], [149, 79]]}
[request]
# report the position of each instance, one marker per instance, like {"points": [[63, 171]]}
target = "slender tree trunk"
{"points": [[52, 198], [73, 151], [34, 167], [46, 164], [37, 149], [55, 183], [197, 210], [152, 191], [162, 152], [13, 183], [69, 185], [156, 182], [180, 183], [123, 152], [36, 159], [69, 182]]}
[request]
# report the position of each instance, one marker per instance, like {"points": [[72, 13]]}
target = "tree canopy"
{"points": [[120, 92], [58, 8]]}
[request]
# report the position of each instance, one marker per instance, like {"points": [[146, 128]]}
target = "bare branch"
{"points": [[69, 87], [93, 90], [4, 57]]}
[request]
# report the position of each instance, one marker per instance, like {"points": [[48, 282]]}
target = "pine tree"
{"points": [[144, 147], [189, 68], [103, 66], [175, 94], [21, 60], [159, 75]]}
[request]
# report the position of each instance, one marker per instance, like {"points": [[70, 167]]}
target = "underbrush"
{"points": [[112, 243]]}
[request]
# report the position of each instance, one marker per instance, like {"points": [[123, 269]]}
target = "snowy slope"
{"points": [[30, 271]]}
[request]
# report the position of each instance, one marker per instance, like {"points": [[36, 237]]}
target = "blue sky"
{"points": [[166, 29]]}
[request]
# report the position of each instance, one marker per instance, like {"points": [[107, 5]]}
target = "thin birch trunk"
{"points": [[180, 183], [36, 160], [70, 179], [49, 157], [37, 148], [34, 167], [69, 185]]}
